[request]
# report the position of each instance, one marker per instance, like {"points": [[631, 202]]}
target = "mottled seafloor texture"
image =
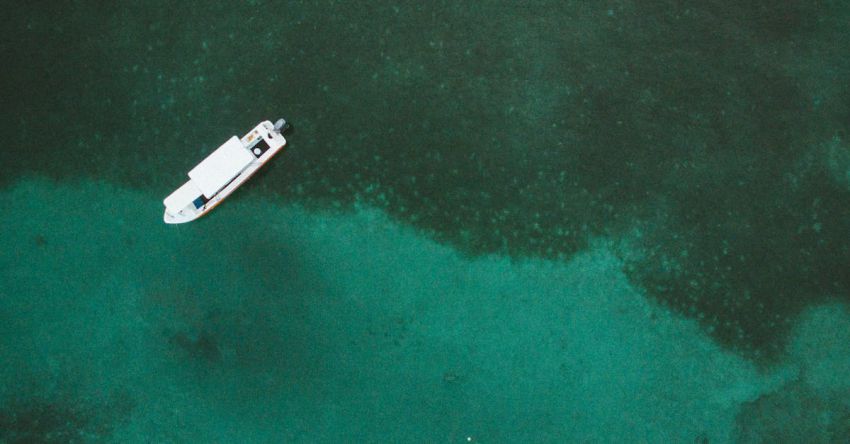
{"points": [[612, 221]]}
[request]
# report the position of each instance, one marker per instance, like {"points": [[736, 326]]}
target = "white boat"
{"points": [[223, 171]]}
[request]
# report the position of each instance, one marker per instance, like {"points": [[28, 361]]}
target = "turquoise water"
{"points": [[556, 222]]}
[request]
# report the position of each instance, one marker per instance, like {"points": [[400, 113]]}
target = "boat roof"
{"points": [[220, 167], [182, 196]]}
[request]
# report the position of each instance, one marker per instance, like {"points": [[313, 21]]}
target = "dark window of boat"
{"points": [[262, 145], [200, 201]]}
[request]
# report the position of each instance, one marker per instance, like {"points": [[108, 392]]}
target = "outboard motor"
{"points": [[281, 126]]}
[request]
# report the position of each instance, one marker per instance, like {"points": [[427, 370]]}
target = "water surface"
{"points": [[553, 222]]}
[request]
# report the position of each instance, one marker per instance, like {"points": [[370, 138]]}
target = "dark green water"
{"points": [[611, 221]]}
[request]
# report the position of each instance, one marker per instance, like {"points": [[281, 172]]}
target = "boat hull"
{"points": [[263, 142]]}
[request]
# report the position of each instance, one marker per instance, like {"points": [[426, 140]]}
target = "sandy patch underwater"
{"points": [[263, 322]]}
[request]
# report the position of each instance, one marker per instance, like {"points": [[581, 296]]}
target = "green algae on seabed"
{"points": [[332, 326], [59, 417], [585, 168], [520, 130]]}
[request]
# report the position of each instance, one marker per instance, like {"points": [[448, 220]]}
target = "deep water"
{"points": [[542, 222]]}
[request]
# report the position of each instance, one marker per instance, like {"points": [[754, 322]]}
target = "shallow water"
{"points": [[560, 222]]}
